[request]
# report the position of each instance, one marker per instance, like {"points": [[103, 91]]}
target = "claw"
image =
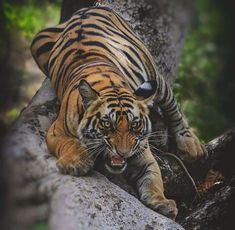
{"points": [[166, 208], [74, 168]]}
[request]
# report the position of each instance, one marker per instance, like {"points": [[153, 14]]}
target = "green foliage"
{"points": [[40, 226], [13, 113], [30, 17], [200, 68]]}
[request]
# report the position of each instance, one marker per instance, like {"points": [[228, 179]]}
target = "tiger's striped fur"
{"points": [[106, 79]]}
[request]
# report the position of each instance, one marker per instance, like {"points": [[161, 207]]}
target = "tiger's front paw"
{"points": [[189, 146], [165, 207], [74, 165]]}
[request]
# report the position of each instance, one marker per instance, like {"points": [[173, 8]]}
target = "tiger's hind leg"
{"points": [[42, 45], [188, 145], [145, 173]]}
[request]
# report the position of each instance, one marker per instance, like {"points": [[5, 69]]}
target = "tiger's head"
{"points": [[115, 124]]}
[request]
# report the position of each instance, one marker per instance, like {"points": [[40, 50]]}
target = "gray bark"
{"points": [[211, 213], [36, 191]]}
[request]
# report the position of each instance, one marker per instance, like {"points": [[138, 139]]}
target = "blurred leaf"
{"points": [[199, 71], [40, 226], [30, 18], [13, 113]]}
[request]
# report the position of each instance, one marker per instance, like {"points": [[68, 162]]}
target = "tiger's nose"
{"points": [[121, 153]]}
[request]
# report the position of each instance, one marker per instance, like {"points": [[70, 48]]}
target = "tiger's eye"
{"points": [[106, 124]]}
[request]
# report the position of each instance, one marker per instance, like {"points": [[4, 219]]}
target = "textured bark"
{"points": [[219, 157], [37, 192], [220, 154], [214, 211]]}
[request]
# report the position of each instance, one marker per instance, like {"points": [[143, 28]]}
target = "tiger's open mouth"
{"points": [[115, 165]]}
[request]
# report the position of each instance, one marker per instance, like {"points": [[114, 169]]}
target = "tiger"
{"points": [[106, 81]]}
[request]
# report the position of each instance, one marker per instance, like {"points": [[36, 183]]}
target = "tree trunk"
{"points": [[34, 189]]}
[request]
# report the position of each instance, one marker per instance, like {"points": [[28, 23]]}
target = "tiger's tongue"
{"points": [[117, 161]]}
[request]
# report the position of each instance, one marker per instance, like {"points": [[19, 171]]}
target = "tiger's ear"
{"points": [[146, 91], [87, 92]]}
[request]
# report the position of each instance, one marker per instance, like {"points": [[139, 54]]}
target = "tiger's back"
{"points": [[95, 33]]}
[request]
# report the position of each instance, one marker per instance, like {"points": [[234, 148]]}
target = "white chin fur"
{"points": [[115, 171]]}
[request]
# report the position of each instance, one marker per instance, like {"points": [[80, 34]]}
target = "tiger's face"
{"points": [[116, 126]]}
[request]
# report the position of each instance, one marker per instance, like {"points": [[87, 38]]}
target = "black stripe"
{"points": [[111, 99], [57, 47], [44, 48], [159, 84], [163, 100], [94, 83], [138, 75], [132, 60], [53, 30], [183, 133], [68, 132], [129, 75], [94, 33], [130, 30], [111, 95], [94, 26], [97, 44], [98, 15], [106, 87], [170, 103], [59, 77], [65, 56], [88, 121], [70, 27], [69, 43], [39, 37], [105, 76], [51, 63], [127, 99], [171, 109], [45, 67], [127, 105], [107, 23], [124, 36], [142, 172], [113, 105], [91, 54], [125, 25], [177, 120]]}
